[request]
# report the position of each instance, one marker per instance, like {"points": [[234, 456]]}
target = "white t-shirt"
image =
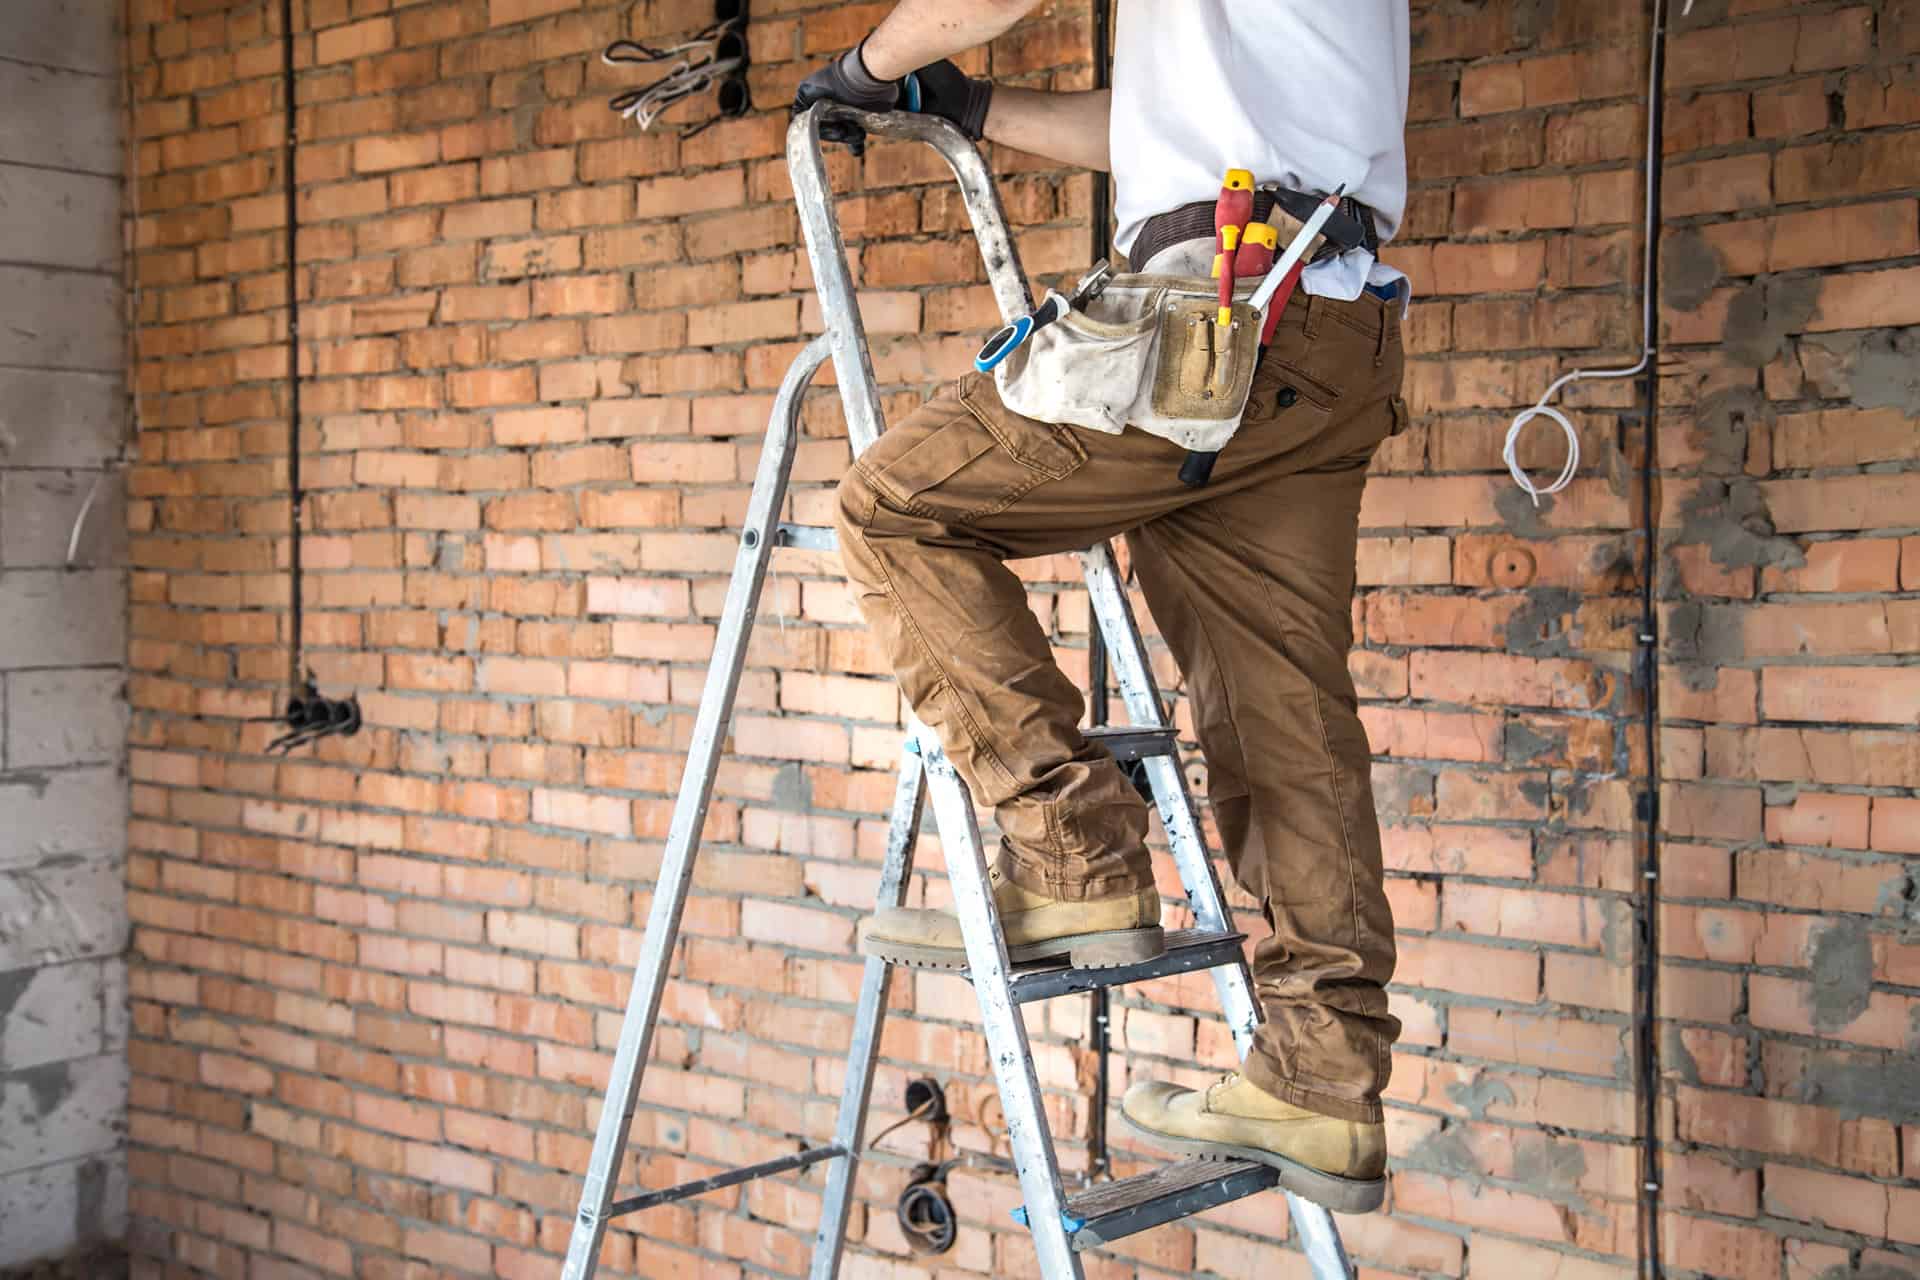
{"points": [[1307, 93]]}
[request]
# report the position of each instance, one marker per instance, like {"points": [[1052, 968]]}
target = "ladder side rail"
{"points": [[757, 544], [827, 250], [1127, 655], [1028, 1134], [1319, 1239], [863, 1049]]}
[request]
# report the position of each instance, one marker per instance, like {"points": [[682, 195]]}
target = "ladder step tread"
{"points": [[1117, 1209], [1130, 742], [1187, 950]]}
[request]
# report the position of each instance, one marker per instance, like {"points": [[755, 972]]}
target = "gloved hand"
{"points": [[949, 92], [940, 89], [847, 80]]}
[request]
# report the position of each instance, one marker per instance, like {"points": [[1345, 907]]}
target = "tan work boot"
{"points": [[1341, 1164], [1097, 933]]}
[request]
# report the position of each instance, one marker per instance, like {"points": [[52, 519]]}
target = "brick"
{"points": [[1862, 695]]}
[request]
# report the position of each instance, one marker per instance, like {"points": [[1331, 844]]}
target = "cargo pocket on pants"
{"points": [[975, 463]]}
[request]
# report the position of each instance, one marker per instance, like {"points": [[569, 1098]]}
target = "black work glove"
{"points": [[940, 89], [846, 80], [952, 94]]}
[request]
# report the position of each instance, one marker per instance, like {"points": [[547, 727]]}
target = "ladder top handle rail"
{"points": [[977, 188], [813, 195]]}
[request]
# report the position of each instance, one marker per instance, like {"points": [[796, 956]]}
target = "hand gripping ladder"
{"points": [[1061, 1224]]}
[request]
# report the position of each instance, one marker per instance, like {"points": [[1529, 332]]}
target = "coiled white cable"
{"points": [[1541, 408]]}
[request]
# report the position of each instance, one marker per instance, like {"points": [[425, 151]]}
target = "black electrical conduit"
{"points": [[1646, 1024], [296, 497]]}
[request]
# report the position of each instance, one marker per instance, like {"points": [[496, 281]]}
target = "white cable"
{"points": [[685, 80], [1649, 335], [80, 521]]}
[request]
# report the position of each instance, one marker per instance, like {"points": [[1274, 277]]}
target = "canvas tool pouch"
{"points": [[1144, 353]]}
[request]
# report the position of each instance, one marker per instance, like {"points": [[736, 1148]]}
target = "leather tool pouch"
{"points": [[1145, 353], [1203, 375]]}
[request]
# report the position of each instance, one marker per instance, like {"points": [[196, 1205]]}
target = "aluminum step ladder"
{"points": [[1061, 1224]]}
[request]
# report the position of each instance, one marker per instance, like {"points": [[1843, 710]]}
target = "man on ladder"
{"points": [[1249, 572]]}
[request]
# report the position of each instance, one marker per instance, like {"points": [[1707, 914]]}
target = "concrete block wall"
{"points": [[376, 986], [63, 418]]}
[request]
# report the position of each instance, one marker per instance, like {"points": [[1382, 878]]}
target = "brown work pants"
{"points": [[1251, 582]]}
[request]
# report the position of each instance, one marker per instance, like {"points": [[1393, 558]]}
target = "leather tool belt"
{"points": [[1351, 227], [1145, 352]]}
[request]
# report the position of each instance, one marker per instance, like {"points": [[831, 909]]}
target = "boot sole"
{"points": [[1342, 1195], [1106, 950]]}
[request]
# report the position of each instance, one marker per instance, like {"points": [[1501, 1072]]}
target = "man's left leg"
{"points": [[928, 517]]}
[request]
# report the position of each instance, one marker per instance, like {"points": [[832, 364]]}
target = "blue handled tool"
{"points": [[1007, 339]]}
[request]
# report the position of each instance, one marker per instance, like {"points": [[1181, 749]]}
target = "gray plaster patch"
{"points": [[1680, 1058], [1707, 634], [1521, 515], [1886, 371], [49, 1085], [1867, 1271], [1689, 270], [1764, 314], [1526, 745], [1900, 896], [1860, 1086], [1723, 424], [1447, 1152], [1551, 1169], [1401, 791], [1842, 966], [792, 789], [1483, 1093], [1542, 627], [1730, 517]]}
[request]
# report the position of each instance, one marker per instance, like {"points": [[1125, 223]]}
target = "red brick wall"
{"points": [[1788, 696], [375, 984]]}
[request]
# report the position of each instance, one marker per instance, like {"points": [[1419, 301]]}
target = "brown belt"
{"points": [[1352, 227]]}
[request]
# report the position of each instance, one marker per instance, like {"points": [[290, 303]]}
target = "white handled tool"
{"points": [[1297, 249]]}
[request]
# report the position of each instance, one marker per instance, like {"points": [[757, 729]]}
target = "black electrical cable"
{"points": [[1647, 897], [295, 497], [922, 1112]]}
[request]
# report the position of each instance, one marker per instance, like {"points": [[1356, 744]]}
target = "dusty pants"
{"points": [[1250, 580]]}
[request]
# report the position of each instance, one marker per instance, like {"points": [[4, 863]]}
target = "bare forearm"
{"points": [[1068, 127], [921, 31]]}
